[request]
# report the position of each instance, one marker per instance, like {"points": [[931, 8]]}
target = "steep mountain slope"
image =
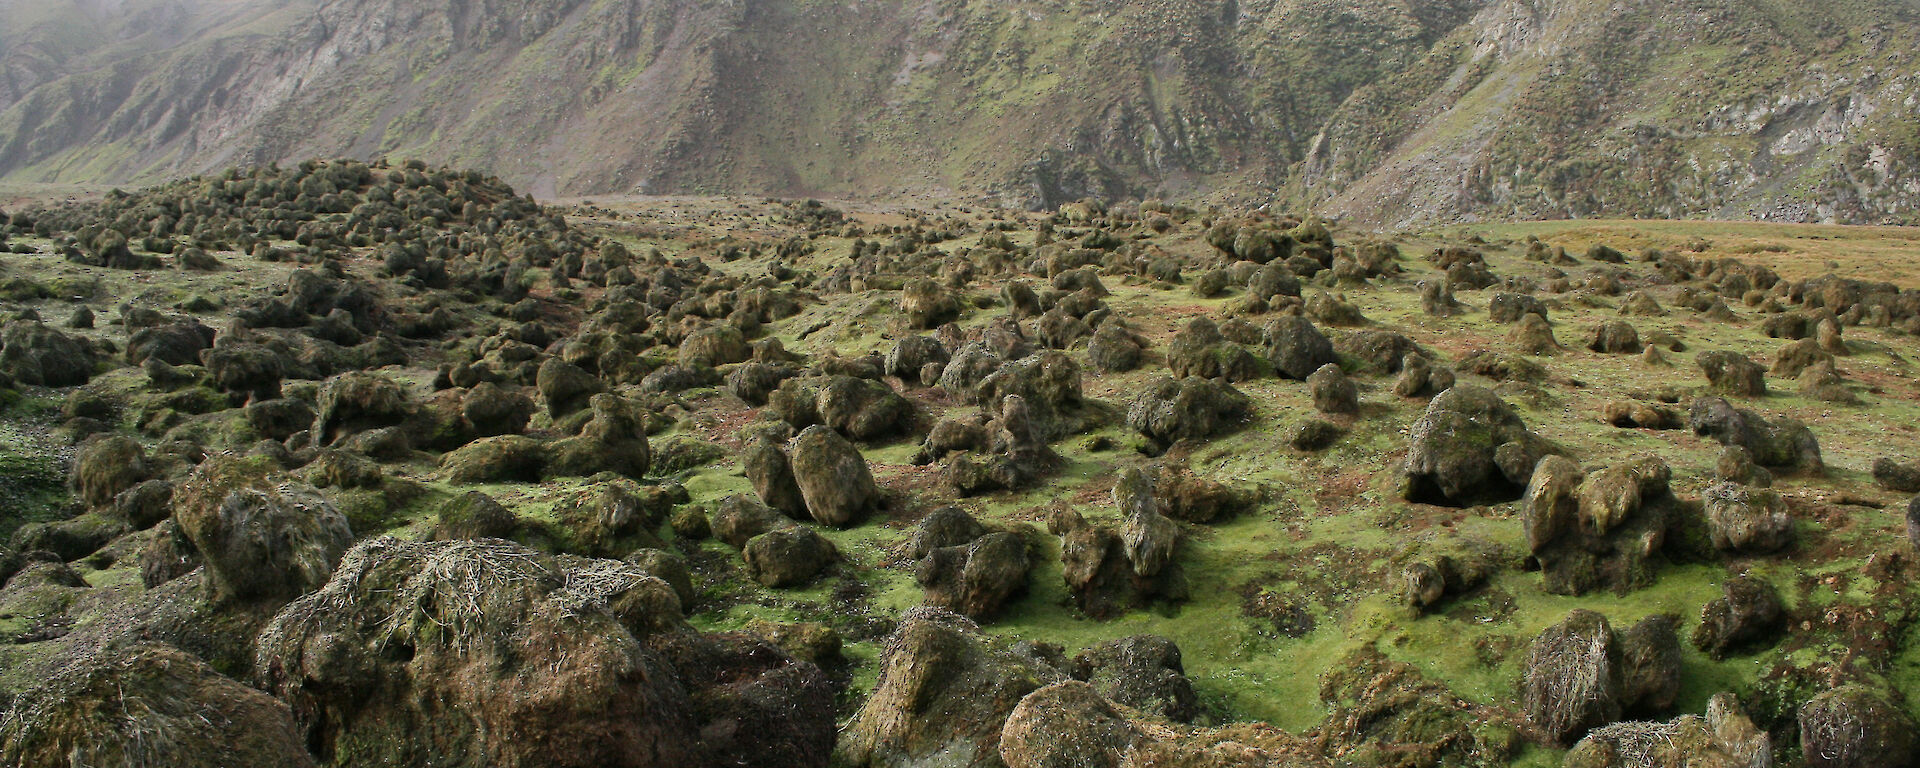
{"points": [[1391, 112]]}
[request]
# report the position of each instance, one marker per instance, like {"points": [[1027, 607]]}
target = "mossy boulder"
{"points": [[249, 372], [354, 402], [32, 353], [975, 577], [945, 690], [261, 539], [1747, 520], [1572, 679], [1296, 348], [540, 660], [1469, 447], [715, 345], [473, 515], [507, 458], [1384, 712], [614, 515], [565, 387], [835, 483], [613, 440], [788, 556], [150, 704], [1114, 349], [1170, 410], [1747, 612], [1780, 443], [1598, 531], [1731, 373], [105, 467], [1200, 350], [1725, 737], [1143, 672]]}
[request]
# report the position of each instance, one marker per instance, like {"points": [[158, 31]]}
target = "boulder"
{"points": [[144, 505], [252, 372], [1050, 386], [1098, 566], [1314, 434], [278, 419], [474, 515], [1643, 304], [809, 641], [1469, 447], [1855, 727], [1571, 682], [945, 527], [1512, 307], [1068, 725], [1143, 672], [540, 661], [614, 440], [1747, 520], [1296, 348], [1600, 530], [975, 578], [1380, 351], [1736, 465], [1200, 350], [105, 467], [1896, 476], [1170, 410], [168, 555], [150, 705], [1533, 335], [1780, 443], [1436, 299], [972, 364], [835, 483], [1182, 495], [1114, 349], [1419, 378], [755, 382], [1732, 373], [507, 458], [1384, 712], [1797, 356], [1432, 571], [177, 343], [565, 387], [788, 556], [1150, 539], [1748, 612], [32, 353], [491, 409], [861, 409], [767, 467], [927, 305], [739, 518], [944, 692], [1725, 737], [1614, 337], [1650, 663], [714, 345], [912, 354], [357, 401], [1333, 392], [261, 540], [611, 516]]}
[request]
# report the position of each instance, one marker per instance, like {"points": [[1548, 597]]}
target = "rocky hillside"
{"points": [[1386, 112]]}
